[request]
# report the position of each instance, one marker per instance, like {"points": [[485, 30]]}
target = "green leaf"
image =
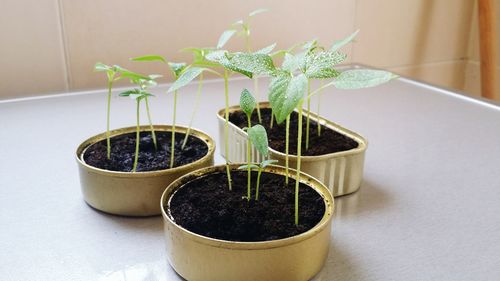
{"points": [[225, 36], [177, 67], [362, 78], [258, 11], [186, 76], [124, 73], [220, 56], [247, 102], [244, 167], [317, 62], [127, 93], [258, 137], [266, 50], [339, 44], [101, 67], [265, 163], [285, 93], [254, 63], [150, 58]]}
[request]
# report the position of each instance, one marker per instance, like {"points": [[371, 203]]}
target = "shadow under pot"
{"points": [[341, 170], [213, 233], [122, 192]]}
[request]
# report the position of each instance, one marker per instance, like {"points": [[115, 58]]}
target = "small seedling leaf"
{"points": [[150, 58], [254, 63], [362, 78], [186, 76], [244, 167], [267, 162], [177, 67], [127, 93], [323, 73], [101, 67], [258, 137], [339, 44], [247, 102], [310, 45], [225, 36], [266, 50], [220, 56], [124, 73], [258, 11], [290, 63]]}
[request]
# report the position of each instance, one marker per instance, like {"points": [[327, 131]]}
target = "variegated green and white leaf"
{"points": [[285, 93], [323, 74], [254, 63], [177, 67], [268, 162], [315, 62]]}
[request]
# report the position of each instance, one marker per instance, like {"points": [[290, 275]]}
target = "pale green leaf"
{"points": [[254, 63], [258, 11], [187, 76], [124, 73], [339, 44], [247, 102], [225, 36], [258, 137], [323, 73], [362, 78], [285, 93], [150, 58], [266, 50], [127, 93], [265, 163], [290, 63], [316, 62]]}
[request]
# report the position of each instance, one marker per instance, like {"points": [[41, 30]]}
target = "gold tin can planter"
{"points": [[341, 172], [196, 257], [133, 194]]}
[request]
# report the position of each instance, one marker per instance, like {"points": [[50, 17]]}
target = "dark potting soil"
{"points": [[150, 159], [330, 141], [206, 206]]}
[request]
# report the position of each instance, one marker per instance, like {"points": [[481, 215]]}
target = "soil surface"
{"points": [[206, 206], [329, 142], [150, 159]]}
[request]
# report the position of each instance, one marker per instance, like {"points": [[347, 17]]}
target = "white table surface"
{"points": [[429, 207]]}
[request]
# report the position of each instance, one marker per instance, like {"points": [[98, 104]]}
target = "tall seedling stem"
{"points": [[287, 140], [196, 105], [226, 129], [172, 145], [108, 138], [153, 134], [308, 112], [137, 136], [299, 146]]}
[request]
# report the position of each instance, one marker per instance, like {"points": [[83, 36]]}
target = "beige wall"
{"points": [[52, 45]]}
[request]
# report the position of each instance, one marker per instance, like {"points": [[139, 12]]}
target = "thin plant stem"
{"points": [[226, 130], [256, 90], [151, 123], [322, 83], [272, 119], [299, 145], [172, 145], [196, 104], [108, 133], [258, 183], [137, 138], [249, 160], [308, 113], [287, 140]]}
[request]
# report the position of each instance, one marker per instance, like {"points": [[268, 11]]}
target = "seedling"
{"points": [[244, 30], [247, 104], [137, 95], [113, 73]]}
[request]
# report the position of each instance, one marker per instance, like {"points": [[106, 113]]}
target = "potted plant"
{"points": [[340, 165], [251, 231], [125, 171]]}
